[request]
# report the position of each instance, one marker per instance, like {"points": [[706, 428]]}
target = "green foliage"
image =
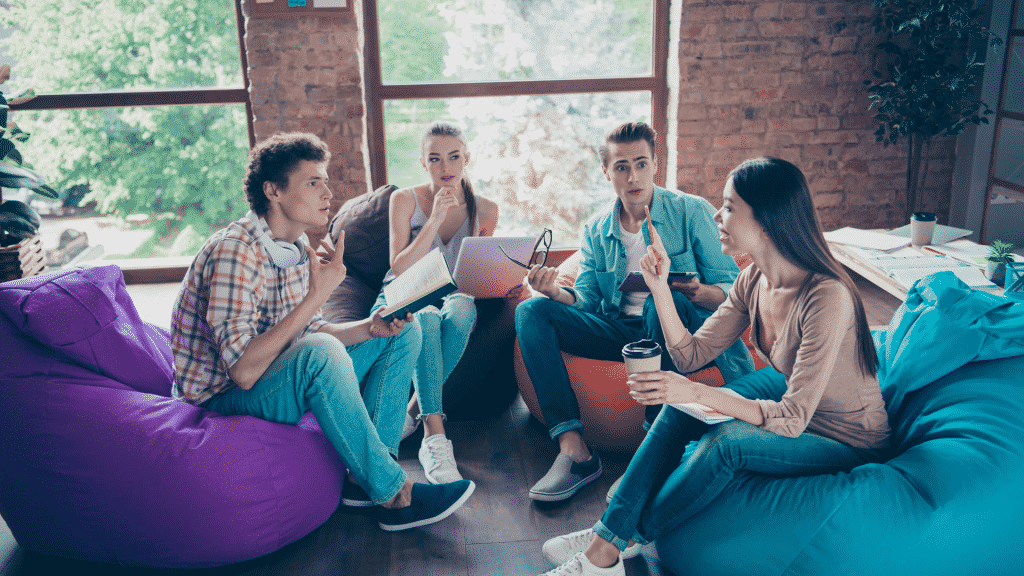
{"points": [[181, 162], [931, 71], [12, 173], [1000, 251], [931, 77]]}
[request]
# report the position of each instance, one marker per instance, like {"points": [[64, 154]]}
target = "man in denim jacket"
{"points": [[595, 320]]}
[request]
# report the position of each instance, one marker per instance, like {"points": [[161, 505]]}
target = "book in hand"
{"points": [[634, 281], [422, 284], [703, 413]]}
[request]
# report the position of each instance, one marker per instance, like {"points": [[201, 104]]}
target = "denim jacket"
{"points": [[691, 238]]}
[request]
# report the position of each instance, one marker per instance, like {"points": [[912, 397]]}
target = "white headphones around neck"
{"points": [[282, 253]]}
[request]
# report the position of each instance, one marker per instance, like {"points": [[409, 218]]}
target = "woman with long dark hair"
{"points": [[807, 321], [437, 214]]}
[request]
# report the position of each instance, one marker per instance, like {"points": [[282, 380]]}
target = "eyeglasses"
{"points": [[540, 251]]}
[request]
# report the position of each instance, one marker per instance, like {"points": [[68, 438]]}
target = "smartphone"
{"points": [[681, 276], [634, 281]]}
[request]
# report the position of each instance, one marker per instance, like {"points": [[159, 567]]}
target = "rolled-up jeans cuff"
{"points": [[559, 429], [603, 531]]}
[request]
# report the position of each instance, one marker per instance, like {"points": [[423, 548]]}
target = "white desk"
{"points": [[854, 262]]}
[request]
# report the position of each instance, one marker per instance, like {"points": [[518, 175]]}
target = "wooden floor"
{"points": [[498, 532]]}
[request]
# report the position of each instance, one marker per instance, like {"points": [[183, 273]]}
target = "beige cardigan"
{"points": [[816, 349]]}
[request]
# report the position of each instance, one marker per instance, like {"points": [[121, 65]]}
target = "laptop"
{"points": [[482, 271]]}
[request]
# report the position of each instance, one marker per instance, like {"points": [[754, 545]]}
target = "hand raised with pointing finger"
{"points": [[327, 270], [654, 265]]}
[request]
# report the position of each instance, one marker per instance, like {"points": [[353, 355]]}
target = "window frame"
{"points": [[1016, 190], [156, 270], [377, 92]]}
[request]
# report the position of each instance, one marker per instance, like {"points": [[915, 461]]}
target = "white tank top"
{"points": [[450, 250]]}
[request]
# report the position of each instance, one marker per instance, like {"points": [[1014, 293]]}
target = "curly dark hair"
{"points": [[274, 159]]}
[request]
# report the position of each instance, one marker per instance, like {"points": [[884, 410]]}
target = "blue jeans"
{"points": [[446, 333], [318, 373], [683, 464], [545, 327]]}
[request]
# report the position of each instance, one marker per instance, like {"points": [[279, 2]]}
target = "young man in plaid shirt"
{"points": [[248, 337]]}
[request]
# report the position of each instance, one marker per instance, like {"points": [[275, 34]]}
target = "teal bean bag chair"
{"points": [[949, 499]]}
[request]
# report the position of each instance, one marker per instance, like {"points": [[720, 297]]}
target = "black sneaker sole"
{"points": [[437, 518]]}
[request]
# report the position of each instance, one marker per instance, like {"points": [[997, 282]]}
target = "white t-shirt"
{"points": [[633, 302]]}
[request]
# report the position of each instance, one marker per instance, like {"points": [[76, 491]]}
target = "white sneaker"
{"points": [[410, 426], [578, 565], [438, 460], [561, 549], [611, 491]]}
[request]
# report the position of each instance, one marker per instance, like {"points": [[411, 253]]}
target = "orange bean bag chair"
{"points": [[612, 421]]}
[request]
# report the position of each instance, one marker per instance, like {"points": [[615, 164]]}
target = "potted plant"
{"points": [[931, 76], [999, 255], [21, 251]]}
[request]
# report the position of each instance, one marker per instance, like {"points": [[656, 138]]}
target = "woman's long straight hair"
{"points": [[777, 192], [442, 128]]}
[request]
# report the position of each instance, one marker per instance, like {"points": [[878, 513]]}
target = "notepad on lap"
{"points": [[703, 413], [420, 285]]}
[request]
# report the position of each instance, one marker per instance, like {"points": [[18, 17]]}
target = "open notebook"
{"points": [[907, 266]]}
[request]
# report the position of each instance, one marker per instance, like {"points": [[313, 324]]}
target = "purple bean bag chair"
{"points": [[98, 463]]}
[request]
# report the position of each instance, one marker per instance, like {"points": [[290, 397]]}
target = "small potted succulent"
{"points": [[999, 255]]}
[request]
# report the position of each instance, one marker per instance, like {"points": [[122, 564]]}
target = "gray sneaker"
{"points": [[565, 477]]}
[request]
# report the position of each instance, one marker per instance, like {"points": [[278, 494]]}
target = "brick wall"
{"points": [[305, 74], [776, 78], [785, 79]]}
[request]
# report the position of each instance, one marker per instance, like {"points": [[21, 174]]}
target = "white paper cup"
{"points": [[922, 227], [642, 356]]}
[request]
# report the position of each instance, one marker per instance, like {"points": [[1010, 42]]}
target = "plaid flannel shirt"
{"points": [[232, 293]]}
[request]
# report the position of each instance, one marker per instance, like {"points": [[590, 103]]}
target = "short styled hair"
{"points": [[274, 160], [624, 133]]}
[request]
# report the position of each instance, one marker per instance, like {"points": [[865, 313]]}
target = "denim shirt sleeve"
{"points": [[715, 267], [586, 289]]}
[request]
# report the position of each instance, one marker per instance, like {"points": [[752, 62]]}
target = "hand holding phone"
{"points": [[634, 281]]}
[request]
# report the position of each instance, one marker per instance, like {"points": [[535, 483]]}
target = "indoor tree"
{"points": [[930, 83]]}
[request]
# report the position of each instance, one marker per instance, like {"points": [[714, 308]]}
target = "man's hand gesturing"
{"points": [[326, 268]]}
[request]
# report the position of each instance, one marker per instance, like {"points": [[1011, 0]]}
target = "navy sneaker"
{"points": [[430, 503], [353, 495]]}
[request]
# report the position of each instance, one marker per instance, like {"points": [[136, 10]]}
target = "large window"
{"points": [[140, 122], [535, 83]]}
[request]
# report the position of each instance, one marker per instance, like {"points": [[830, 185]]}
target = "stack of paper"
{"points": [[866, 239]]}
